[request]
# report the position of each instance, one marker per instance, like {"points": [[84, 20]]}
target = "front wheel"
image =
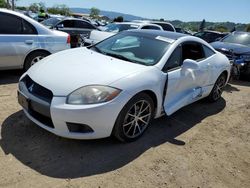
{"points": [[34, 58], [134, 118], [217, 90]]}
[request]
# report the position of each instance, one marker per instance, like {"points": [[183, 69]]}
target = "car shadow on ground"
{"points": [[10, 76], [57, 157]]}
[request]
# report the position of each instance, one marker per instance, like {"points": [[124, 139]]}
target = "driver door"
{"points": [[184, 84]]}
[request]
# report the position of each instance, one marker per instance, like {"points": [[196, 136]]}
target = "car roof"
{"points": [[241, 32], [155, 33], [211, 31]]}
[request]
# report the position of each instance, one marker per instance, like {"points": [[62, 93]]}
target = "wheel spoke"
{"points": [[145, 109], [130, 128], [145, 116], [139, 128], [132, 115], [128, 123], [143, 121], [141, 108], [134, 129]]}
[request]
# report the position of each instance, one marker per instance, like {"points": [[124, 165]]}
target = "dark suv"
{"points": [[75, 27], [210, 36], [236, 46]]}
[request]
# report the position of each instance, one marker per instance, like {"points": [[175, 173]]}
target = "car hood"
{"points": [[69, 70], [235, 48]]}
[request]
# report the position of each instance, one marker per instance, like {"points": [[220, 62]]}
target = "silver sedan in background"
{"points": [[24, 41]]}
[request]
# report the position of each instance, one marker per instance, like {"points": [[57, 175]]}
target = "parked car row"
{"points": [[236, 46], [73, 26], [210, 36]]}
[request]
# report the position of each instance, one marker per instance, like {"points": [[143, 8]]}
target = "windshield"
{"points": [[51, 21], [134, 48], [119, 27], [238, 38]]}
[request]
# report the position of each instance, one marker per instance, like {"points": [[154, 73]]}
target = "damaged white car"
{"points": [[119, 85]]}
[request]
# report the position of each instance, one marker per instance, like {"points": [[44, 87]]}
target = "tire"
{"points": [[217, 90], [34, 58], [134, 118]]}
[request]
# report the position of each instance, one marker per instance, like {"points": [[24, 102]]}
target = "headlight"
{"points": [[92, 95]]}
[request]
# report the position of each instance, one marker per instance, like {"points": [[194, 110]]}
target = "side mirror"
{"points": [[59, 26], [190, 64]]}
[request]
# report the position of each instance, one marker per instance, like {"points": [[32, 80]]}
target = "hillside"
{"points": [[193, 26], [109, 14]]}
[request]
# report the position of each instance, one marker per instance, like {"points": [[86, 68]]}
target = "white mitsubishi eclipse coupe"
{"points": [[119, 85]]}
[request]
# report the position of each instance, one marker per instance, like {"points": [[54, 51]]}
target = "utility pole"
{"points": [[13, 5], [8, 4]]}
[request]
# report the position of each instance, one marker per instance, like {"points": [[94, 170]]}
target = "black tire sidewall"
{"points": [[118, 129], [27, 63], [211, 95]]}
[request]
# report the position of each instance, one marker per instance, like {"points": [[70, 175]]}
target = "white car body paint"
{"points": [[66, 71], [97, 36]]}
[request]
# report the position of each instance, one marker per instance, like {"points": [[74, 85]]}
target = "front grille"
{"points": [[47, 121], [39, 100], [37, 90]]}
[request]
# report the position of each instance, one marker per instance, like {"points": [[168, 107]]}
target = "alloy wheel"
{"points": [[36, 59], [137, 119], [219, 85]]}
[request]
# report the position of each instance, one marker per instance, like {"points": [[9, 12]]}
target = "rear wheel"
{"points": [[134, 118], [33, 58], [217, 90]]}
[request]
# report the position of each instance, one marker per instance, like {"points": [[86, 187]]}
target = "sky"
{"points": [[237, 11]]}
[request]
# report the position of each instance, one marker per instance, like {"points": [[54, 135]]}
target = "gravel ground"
{"points": [[201, 145]]}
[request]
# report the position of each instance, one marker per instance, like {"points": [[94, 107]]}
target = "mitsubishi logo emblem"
{"points": [[31, 88]]}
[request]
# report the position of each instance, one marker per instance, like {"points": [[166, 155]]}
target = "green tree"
{"points": [[59, 9], [202, 25], [3, 4], [221, 28], [118, 19], [94, 13], [34, 7], [248, 28]]}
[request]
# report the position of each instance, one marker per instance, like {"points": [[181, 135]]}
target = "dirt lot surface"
{"points": [[202, 145]]}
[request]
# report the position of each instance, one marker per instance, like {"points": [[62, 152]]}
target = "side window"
{"points": [[192, 50], [28, 29], [175, 60], [10, 24], [67, 23], [151, 27], [208, 52], [200, 34], [165, 27], [83, 25]]}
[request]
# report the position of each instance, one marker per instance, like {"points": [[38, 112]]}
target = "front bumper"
{"points": [[56, 116]]}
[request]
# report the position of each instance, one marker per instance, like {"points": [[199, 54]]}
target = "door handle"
{"points": [[29, 41]]}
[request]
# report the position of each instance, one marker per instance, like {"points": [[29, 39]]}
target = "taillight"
{"points": [[68, 39]]}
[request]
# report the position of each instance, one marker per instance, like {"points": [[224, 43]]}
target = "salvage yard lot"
{"points": [[201, 145]]}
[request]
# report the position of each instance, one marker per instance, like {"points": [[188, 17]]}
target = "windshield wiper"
{"points": [[97, 49], [121, 57]]}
